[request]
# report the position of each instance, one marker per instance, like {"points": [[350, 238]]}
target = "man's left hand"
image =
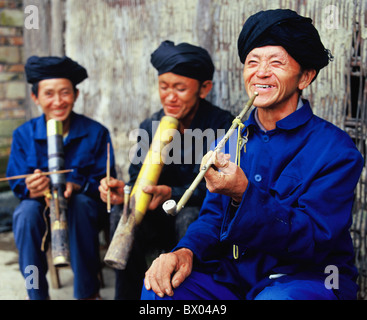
{"points": [[70, 188], [160, 194]]}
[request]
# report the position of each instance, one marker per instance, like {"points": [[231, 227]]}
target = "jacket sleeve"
{"points": [[143, 140], [17, 165], [90, 177]]}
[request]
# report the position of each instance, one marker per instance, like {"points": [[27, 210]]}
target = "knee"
{"points": [[150, 295], [274, 293], [296, 289], [82, 207], [147, 295], [28, 214], [80, 200], [85, 211], [28, 223]]}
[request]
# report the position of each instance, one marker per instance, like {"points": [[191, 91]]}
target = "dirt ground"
{"points": [[12, 283]]}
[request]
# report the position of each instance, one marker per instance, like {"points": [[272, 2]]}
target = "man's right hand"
{"points": [[117, 190], [159, 276], [37, 184]]}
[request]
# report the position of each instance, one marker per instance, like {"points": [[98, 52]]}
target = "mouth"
{"points": [[59, 112], [263, 86], [172, 107]]}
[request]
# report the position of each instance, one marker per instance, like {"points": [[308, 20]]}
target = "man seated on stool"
{"points": [[271, 226], [185, 74], [54, 89]]}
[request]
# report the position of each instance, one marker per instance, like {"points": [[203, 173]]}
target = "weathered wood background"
{"points": [[113, 39]]}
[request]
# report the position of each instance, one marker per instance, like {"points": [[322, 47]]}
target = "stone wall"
{"points": [[12, 85]]}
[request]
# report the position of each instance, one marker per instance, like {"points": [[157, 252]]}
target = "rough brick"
{"points": [[5, 142], [7, 126], [11, 18], [9, 76], [19, 68], [11, 41], [15, 90], [10, 55], [11, 31], [2, 91], [4, 150], [9, 104], [12, 114], [3, 165], [11, 4]]}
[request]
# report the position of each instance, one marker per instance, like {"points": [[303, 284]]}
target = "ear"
{"points": [[205, 88], [76, 94], [306, 78], [35, 99]]}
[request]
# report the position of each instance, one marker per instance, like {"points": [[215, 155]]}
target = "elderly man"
{"points": [[54, 89], [277, 227], [185, 74]]}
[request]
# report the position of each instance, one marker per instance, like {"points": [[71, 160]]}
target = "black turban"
{"points": [[42, 68], [184, 59], [286, 28]]}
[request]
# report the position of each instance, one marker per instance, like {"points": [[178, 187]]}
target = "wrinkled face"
{"points": [[179, 95], [275, 75], [56, 98]]}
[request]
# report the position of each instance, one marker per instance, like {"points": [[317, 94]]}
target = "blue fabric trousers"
{"points": [[200, 286], [83, 219]]}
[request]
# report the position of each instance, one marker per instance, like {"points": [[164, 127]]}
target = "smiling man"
{"points": [[273, 227], [185, 74], [54, 82]]}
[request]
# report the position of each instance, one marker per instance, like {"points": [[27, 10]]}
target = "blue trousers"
{"points": [[84, 220], [200, 286]]}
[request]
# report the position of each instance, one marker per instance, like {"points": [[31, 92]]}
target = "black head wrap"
{"points": [[184, 59], [42, 68], [286, 28]]}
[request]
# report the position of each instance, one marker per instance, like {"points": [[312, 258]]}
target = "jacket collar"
{"points": [[76, 129], [291, 122], [200, 119]]}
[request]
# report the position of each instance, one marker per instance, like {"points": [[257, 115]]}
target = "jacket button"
{"points": [[258, 178]]}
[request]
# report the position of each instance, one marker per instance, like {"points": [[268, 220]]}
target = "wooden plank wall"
{"points": [[114, 40]]}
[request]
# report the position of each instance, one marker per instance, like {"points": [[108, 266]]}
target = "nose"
{"points": [[57, 100], [263, 70], [171, 96]]}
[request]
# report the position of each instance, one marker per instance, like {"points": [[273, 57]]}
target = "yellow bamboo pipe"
{"points": [[152, 166], [136, 205]]}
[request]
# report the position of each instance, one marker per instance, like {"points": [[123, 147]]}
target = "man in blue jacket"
{"points": [[276, 224], [54, 89], [185, 74]]}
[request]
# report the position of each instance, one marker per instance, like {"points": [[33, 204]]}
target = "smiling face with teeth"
{"points": [[277, 77], [56, 97]]}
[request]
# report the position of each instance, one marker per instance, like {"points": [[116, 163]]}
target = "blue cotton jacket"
{"points": [[85, 150], [295, 215]]}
